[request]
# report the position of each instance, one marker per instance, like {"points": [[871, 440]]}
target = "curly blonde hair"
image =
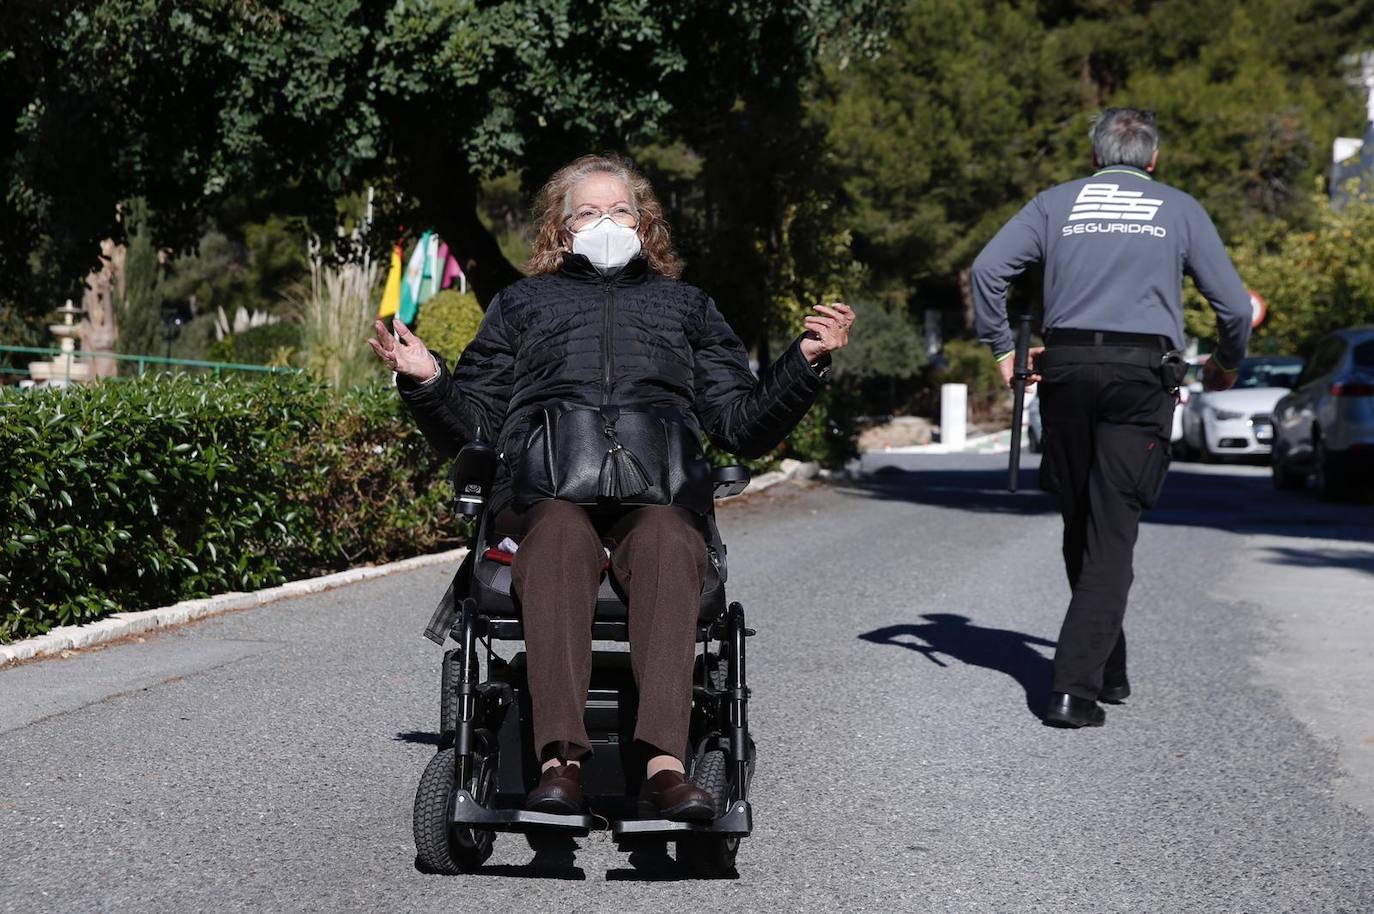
{"points": [[554, 204]]}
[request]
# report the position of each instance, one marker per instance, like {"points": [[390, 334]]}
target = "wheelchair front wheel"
{"points": [[708, 856], [439, 848], [711, 856]]}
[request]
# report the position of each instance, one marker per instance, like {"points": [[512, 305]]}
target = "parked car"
{"points": [[1191, 387], [1325, 426], [1237, 422], [1035, 428]]}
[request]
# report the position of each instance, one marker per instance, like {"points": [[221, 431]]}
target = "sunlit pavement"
{"points": [[267, 759]]}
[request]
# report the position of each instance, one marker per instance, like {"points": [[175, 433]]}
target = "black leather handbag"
{"points": [[612, 455]]}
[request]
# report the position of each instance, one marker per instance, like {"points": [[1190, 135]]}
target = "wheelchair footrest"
{"points": [[465, 811], [737, 822]]}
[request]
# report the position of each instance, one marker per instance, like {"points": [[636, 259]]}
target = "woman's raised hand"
{"points": [[827, 330], [406, 354]]}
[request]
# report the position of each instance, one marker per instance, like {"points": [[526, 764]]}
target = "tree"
{"points": [[945, 135], [186, 104], [139, 300], [758, 211], [1314, 279], [977, 105]]}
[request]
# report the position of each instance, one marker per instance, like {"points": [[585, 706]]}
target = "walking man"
{"points": [[1115, 247]]}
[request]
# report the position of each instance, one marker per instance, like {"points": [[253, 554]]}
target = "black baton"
{"points": [[1019, 375]]}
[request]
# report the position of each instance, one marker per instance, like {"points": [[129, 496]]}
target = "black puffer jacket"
{"points": [[633, 336]]}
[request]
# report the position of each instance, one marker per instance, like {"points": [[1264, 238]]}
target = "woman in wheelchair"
{"points": [[596, 375]]}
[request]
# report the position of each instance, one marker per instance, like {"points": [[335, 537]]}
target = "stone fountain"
{"points": [[65, 368]]}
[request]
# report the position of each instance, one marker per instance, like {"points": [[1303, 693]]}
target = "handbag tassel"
{"points": [[622, 475]]}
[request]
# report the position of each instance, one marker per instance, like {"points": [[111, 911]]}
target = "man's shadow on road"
{"points": [[999, 649]]}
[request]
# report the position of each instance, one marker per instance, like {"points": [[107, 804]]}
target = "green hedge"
{"points": [[144, 492]]}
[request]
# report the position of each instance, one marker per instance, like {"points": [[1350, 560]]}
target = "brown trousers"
{"points": [[658, 556]]}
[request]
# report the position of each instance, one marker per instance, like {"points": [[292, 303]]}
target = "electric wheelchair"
{"points": [[475, 786]]}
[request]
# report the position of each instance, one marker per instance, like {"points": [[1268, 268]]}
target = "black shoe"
{"points": [[559, 791], [1115, 692], [676, 798], [1074, 712]]}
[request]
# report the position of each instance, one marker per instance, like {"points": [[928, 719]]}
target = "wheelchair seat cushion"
{"points": [[491, 584]]}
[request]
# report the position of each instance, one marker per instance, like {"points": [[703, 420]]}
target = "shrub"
{"points": [[970, 363], [1315, 279], [825, 435], [261, 345], [144, 492], [336, 305], [882, 365], [449, 321], [370, 488], [885, 343]]}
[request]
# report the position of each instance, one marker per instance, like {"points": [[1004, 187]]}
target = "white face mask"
{"points": [[608, 245]]}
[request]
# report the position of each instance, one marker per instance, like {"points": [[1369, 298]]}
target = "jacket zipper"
{"points": [[606, 347]]}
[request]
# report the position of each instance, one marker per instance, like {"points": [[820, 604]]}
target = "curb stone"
{"points": [[123, 625]]}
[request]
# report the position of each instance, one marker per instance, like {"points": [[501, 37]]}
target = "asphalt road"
{"points": [[266, 760]]}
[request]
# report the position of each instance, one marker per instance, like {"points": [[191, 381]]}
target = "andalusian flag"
{"points": [[410, 284], [391, 294], [433, 271]]}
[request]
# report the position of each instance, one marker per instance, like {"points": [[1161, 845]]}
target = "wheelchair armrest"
{"points": [[474, 470], [731, 480]]}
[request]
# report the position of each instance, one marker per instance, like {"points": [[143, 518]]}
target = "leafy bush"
{"points": [[882, 365], [449, 321], [825, 435], [885, 343], [143, 492], [148, 491], [970, 363], [1315, 280], [259, 345]]}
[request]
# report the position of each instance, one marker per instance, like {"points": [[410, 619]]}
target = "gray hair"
{"points": [[1124, 136]]}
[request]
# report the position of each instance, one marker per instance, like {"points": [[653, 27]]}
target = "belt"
{"points": [[1056, 356], [1071, 337]]}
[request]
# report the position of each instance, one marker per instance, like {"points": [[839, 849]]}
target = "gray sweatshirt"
{"points": [[1115, 248]]}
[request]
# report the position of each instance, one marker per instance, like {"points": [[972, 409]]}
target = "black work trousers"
{"points": [[1106, 452], [658, 554]]}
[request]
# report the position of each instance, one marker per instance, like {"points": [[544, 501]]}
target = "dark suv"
{"points": [[1325, 426]]}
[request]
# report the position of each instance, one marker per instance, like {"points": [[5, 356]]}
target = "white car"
{"points": [[1035, 429], [1239, 422]]}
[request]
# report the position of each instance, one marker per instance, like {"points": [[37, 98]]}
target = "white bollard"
{"points": [[953, 416]]}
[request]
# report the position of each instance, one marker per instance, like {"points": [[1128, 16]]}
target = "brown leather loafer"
{"points": [[679, 799], [559, 791]]}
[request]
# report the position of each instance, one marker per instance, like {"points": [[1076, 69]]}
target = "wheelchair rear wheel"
{"points": [[449, 675], [439, 848]]}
